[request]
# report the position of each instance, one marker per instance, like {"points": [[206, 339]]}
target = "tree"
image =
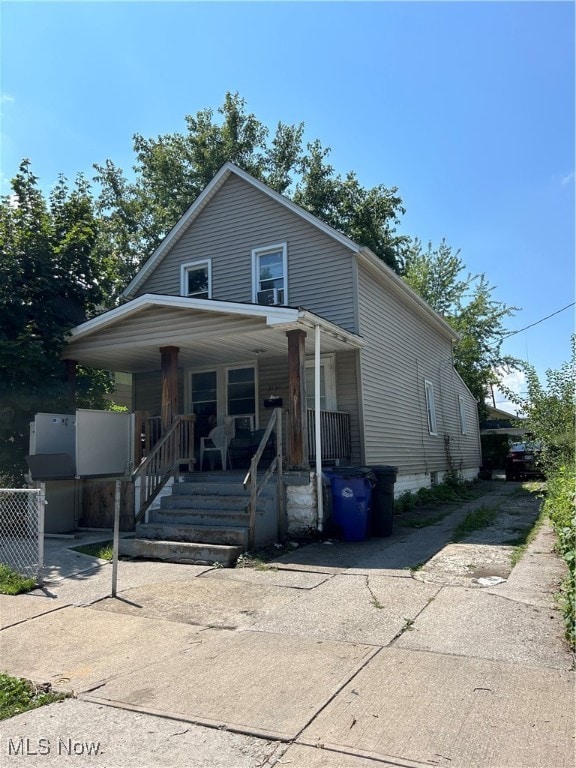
{"points": [[466, 302], [49, 282], [549, 411], [171, 171]]}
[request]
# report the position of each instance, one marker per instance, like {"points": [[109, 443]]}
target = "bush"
{"points": [[560, 507]]}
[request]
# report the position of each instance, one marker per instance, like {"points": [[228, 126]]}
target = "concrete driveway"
{"points": [[336, 656]]}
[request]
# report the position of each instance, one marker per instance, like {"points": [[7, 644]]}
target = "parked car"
{"points": [[522, 461]]}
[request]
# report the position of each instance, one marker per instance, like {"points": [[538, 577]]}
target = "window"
{"points": [[241, 392], [196, 279], [462, 409], [269, 268], [327, 384], [430, 407]]}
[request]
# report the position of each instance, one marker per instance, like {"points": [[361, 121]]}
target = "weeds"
{"points": [[101, 549], [561, 509], [437, 494], [479, 518], [18, 695], [13, 583]]}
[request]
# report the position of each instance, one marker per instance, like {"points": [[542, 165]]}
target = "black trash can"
{"points": [[382, 517], [351, 491]]}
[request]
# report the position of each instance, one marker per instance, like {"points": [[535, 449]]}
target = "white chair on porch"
{"points": [[216, 443]]}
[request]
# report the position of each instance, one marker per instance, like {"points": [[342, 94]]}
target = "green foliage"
{"points": [[550, 411], [18, 695], [13, 583], [171, 171], [479, 518], [450, 490], [560, 505], [495, 448], [104, 550], [49, 282], [466, 303]]}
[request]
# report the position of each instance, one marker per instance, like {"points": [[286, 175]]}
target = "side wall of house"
{"points": [[239, 219], [403, 351]]}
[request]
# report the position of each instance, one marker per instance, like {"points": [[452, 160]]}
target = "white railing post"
{"points": [[116, 539]]}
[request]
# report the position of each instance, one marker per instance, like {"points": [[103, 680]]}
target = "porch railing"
{"points": [[151, 475], [335, 435], [256, 487]]}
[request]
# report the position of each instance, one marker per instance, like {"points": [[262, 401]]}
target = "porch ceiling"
{"points": [[207, 333]]}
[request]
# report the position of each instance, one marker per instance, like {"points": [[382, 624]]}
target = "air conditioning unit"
{"points": [[271, 296]]}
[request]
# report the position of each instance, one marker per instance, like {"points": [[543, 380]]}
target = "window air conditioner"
{"points": [[271, 296]]}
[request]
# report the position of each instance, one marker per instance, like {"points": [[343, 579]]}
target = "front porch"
{"points": [[246, 369]]}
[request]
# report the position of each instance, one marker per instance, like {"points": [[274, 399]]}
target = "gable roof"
{"points": [[362, 252], [204, 198]]}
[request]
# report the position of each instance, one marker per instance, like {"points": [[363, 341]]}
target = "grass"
{"points": [[13, 583], [101, 549], [18, 695], [483, 517], [422, 522]]}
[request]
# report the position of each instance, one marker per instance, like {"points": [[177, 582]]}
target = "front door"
{"points": [[220, 395]]}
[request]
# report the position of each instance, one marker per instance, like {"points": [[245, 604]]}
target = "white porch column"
{"points": [[318, 428]]}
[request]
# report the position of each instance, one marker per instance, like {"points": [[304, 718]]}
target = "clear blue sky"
{"points": [[468, 108]]}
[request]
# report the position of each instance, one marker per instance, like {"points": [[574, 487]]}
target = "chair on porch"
{"points": [[216, 443]]}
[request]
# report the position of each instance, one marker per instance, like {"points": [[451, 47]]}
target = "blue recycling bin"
{"points": [[351, 489]]}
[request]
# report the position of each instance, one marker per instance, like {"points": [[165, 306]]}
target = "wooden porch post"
{"points": [[71, 366], [169, 366], [298, 426]]}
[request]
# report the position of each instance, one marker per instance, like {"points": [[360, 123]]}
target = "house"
{"points": [[250, 302]]}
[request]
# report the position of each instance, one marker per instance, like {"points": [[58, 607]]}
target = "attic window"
{"points": [[196, 279], [269, 270]]}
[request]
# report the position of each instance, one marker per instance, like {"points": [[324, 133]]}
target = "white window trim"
{"points": [[462, 409], [184, 276], [256, 253], [430, 407], [327, 362]]}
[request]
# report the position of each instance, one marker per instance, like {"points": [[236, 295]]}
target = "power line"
{"points": [[513, 333]]}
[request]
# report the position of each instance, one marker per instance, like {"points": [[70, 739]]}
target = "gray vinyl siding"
{"points": [[273, 380], [347, 393], [402, 351], [147, 388], [239, 219]]}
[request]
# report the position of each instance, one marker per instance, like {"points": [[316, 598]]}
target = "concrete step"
{"points": [[230, 535], [204, 501], [181, 552], [195, 516], [222, 488]]}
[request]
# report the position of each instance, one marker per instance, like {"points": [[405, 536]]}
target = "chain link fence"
{"points": [[22, 530]]}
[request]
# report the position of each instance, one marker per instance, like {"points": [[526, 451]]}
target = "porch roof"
{"points": [[207, 332]]}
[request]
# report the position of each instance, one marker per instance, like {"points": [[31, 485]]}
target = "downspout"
{"points": [[317, 428]]}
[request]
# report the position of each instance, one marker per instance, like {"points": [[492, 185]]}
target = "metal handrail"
{"points": [[159, 465], [276, 465]]}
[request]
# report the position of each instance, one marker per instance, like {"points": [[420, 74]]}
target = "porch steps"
{"points": [[236, 536], [192, 553], [204, 520]]}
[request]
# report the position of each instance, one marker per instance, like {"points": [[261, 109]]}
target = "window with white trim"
{"points": [[327, 383], [196, 279], [462, 409], [270, 275], [430, 407]]}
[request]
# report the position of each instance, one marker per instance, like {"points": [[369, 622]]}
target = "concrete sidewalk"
{"points": [[339, 656]]}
